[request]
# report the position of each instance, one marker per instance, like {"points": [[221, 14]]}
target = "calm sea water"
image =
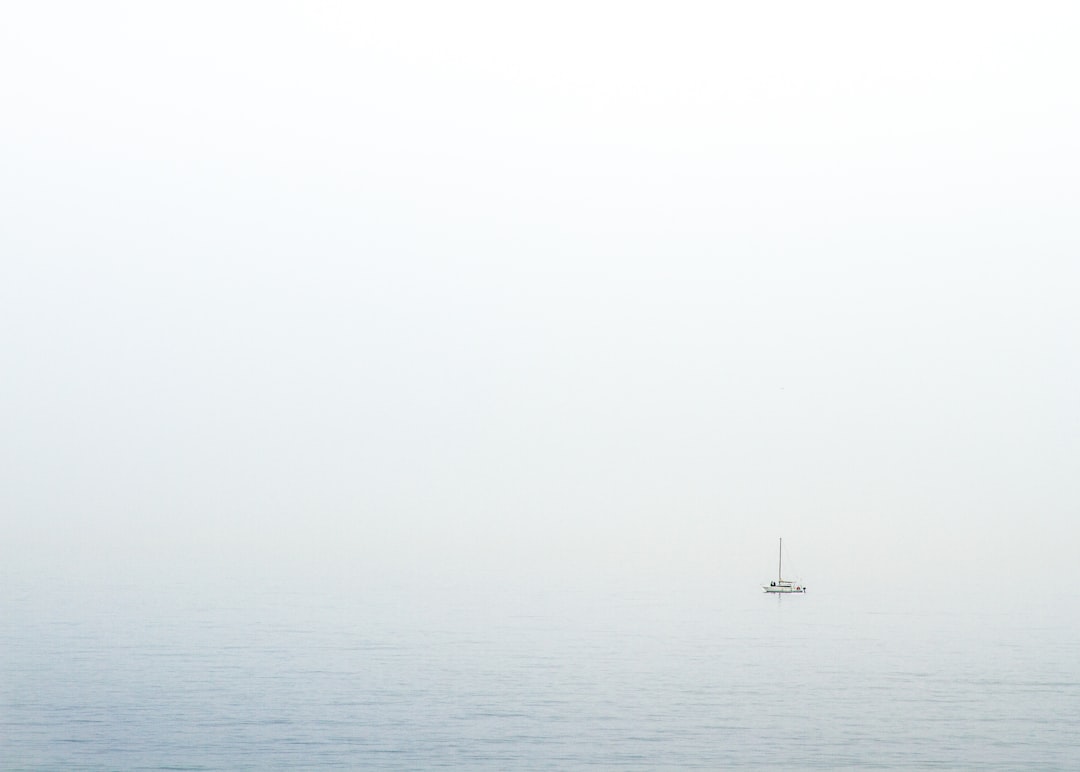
{"points": [[138, 678]]}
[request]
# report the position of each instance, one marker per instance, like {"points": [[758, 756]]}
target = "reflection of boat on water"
{"points": [[780, 585]]}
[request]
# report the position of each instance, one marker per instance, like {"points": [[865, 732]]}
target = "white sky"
{"points": [[560, 290]]}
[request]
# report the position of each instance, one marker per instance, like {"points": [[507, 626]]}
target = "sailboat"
{"points": [[781, 585]]}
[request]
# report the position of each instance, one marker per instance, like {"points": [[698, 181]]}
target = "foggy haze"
{"points": [[564, 293]]}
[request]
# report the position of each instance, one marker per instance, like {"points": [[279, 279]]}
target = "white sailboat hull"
{"points": [[783, 587]]}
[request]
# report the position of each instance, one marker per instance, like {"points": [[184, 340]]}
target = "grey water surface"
{"points": [[140, 678]]}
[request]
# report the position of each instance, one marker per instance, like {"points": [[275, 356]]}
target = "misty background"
{"points": [[562, 295]]}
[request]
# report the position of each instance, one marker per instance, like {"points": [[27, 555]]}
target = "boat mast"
{"points": [[780, 563]]}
